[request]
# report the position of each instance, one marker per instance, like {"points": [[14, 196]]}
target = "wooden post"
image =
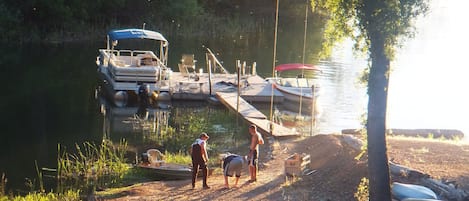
{"points": [[238, 70], [313, 116], [209, 77], [243, 69], [254, 69]]}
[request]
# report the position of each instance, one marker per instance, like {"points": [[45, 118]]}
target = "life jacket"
{"points": [[196, 150]]}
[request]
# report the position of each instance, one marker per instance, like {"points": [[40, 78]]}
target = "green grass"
{"points": [[93, 161], [70, 195], [184, 159], [178, 158], [99, 166]]}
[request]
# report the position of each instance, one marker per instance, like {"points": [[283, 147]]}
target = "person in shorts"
{"points": [[232, 166], [256, 140]]}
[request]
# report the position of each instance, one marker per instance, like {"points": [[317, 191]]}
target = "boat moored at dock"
{"points": [[140, 73], [300, 89]]}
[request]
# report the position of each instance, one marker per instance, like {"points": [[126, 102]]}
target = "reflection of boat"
{"points": [[299, 88], [132, 119], [124, 71], [154, 165]]}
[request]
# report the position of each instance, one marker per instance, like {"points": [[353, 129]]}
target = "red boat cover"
{"points": [[295, 66]]}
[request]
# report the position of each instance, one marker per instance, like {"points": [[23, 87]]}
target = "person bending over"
{"points": [[232, 166]]}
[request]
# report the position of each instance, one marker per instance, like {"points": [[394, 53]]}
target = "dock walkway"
{"points": [[253, 116], [253, 88]]}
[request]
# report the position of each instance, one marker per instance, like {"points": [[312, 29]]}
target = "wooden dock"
{"points": [[253, 116], [224, 87], [253, 88]]}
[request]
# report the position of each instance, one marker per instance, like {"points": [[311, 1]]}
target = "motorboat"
{"points": [[153, 163], [299, 87], [128, 72]]}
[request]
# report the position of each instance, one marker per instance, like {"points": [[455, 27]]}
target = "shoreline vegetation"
{"points": [[67, 21], [129, 180], [89, 168]]}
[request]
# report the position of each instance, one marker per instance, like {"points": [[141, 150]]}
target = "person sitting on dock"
{"points": [[232, 166]]}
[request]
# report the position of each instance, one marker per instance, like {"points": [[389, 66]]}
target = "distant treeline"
{"points": [[71, 20]]}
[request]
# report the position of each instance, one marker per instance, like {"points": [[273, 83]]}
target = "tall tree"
{"points": [[378, 27]]}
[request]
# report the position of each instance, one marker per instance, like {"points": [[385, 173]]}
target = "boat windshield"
{"points": [[296, 82]]}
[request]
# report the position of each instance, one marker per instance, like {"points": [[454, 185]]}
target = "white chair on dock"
{"points": [[187, 65]]}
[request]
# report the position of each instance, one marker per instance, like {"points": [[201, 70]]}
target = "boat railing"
{"points": [[130, 57]]}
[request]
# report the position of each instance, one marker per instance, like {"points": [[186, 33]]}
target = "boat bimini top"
{"points": [[136, 33], [119, 34]]}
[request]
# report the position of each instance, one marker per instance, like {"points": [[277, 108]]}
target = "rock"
{"points": [[403, 191]]}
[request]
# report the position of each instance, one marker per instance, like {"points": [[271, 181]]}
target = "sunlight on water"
{"points": [[428, 85], [342, 100]]}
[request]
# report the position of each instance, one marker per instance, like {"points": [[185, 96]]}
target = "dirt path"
{"points": [[336, 177]]}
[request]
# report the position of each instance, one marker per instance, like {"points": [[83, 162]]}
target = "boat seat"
{"points": [[146, 59], [286, 83], [119, 63], [155, 157]]}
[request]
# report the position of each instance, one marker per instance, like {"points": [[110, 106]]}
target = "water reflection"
{"points": [[119, 122], [172, 129]]}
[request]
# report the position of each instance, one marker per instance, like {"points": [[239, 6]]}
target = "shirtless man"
{"points": [[256, 140]]}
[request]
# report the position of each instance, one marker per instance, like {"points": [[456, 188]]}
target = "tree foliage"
{"points": [[35, 20], [377, 27], [362, 20]]}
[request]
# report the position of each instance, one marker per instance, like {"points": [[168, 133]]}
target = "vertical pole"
{"points": [[209, 77], [239, 78], [271, 126], [313, 115], [238, 70], [243, 68], [254, 69]]}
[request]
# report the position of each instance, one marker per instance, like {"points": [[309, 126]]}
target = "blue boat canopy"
{"points": [[135, 33]]}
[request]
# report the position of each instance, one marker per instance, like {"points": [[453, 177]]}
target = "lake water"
{"points": [[49, 94]]}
